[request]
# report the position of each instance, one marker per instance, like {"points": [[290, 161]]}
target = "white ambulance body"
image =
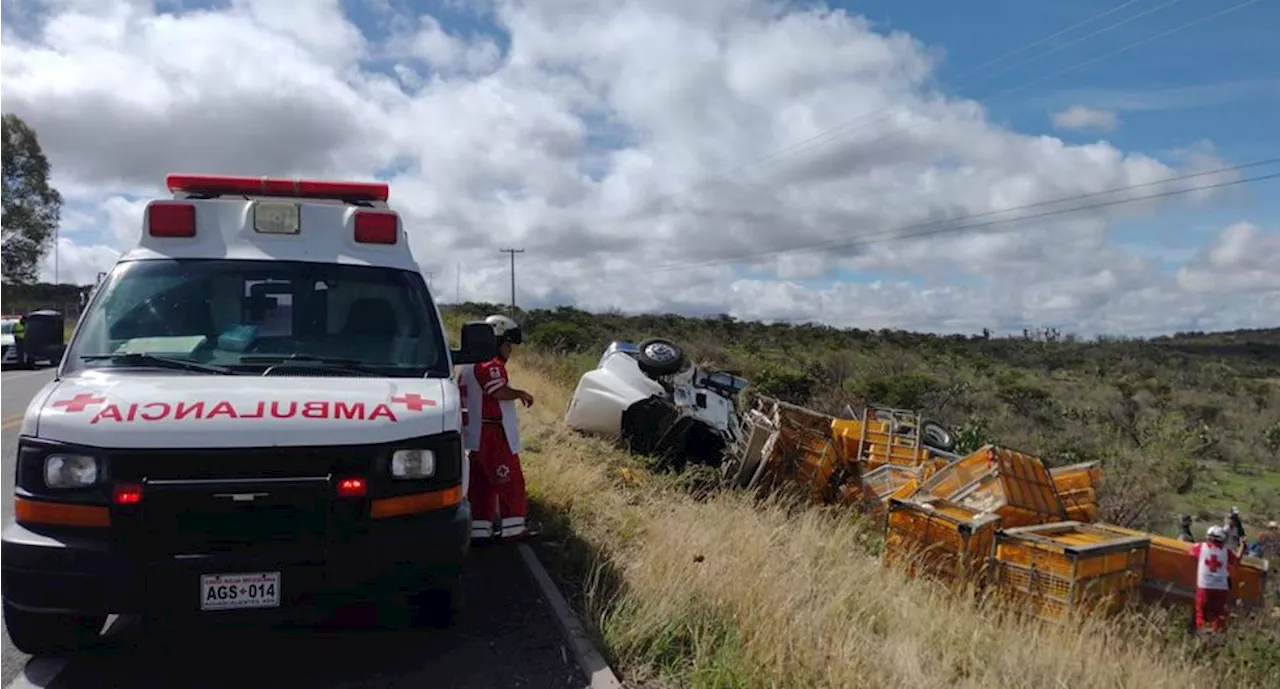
{"points": [[256, 414]]}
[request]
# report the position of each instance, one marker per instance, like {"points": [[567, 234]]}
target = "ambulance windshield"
{"points": [[250, 316]]}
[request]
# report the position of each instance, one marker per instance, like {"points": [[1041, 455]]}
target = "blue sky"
{"points": [[1218, 81], [1210, 92]]}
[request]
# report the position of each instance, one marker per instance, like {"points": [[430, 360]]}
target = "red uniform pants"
{"points": [[1211, 608], [497, 491]]}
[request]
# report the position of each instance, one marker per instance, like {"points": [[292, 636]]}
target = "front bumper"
{"points": [[90, 575]]}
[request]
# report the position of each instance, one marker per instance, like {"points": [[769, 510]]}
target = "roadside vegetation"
{"points": [[687, 586]]}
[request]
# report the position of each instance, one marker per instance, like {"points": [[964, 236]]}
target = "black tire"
{"points": [[659, 357], [36, 633], [935, 435], [439, 608]]}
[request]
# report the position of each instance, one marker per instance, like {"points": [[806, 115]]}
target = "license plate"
{"points": [[240, 591]]}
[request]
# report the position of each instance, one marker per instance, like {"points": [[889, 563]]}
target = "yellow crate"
{"points": [[888, 481], [939, 538], [1013, 484], [883, 482], [1062, 568], [1171, 572], [1077, 476], [1077, 486]]}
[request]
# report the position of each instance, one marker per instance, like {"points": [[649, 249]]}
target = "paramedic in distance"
{"points": [[492, 439]]}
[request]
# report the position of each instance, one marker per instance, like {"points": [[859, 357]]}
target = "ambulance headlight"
{"points": [[70, 471], [413, 464]]}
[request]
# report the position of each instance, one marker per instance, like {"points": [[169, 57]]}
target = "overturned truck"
{"points": [[652, 399]]}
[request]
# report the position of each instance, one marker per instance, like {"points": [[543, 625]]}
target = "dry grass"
{"points": [[727, 593]]}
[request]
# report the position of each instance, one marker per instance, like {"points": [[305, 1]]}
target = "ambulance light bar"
{"points": [[266, 186]]}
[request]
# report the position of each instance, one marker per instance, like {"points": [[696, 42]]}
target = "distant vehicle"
{"points": [[652, 399], [46, 337], [6, 338]]}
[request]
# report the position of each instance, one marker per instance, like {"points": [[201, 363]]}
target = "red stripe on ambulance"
{"points": [[208, 411]]}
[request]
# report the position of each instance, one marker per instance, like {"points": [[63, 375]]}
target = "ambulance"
{"points": [[255, 417]]}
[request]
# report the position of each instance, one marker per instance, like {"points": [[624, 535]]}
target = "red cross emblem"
{"points": [[1213, 563], [80, 402], [414, 402]]}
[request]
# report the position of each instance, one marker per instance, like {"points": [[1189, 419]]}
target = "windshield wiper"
{"points": [[141, 359], [329, 361]]}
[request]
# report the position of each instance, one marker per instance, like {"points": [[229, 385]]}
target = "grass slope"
{"points": [[692, 588], [719, 591]]}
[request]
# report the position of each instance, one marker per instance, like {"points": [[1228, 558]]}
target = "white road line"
{"points": [[41, 672], [598, 672]]}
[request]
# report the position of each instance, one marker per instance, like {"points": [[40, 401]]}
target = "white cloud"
{"points": [[1081, 117], [612, 142]]}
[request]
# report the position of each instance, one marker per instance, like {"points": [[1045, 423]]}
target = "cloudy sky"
{"points": [[883, 163]]}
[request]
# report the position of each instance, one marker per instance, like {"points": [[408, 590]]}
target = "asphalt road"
{"points": [[507, 636]]}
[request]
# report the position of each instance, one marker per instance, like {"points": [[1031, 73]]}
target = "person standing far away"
{"points": [[492, 438], [1269, 550], [1184, 529], [1213, 568], [20, 340], [1235, 531]]}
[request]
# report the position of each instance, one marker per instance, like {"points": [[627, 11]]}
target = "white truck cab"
{"points": [[255, 414]]}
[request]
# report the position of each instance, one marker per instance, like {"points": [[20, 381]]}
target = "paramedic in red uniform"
{"points": [[1213, 565], [492, 439]]}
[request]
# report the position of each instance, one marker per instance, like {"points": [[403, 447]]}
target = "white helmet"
{"points": [[1217, 533], [505, 328]]}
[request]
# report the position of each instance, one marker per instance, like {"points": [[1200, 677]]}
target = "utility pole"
{"points": [[457, 285], [513, 253]]}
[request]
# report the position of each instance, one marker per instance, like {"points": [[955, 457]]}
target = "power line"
{"points": [[878, 238], [513, 253], [837, 243], [1048, 38], [1096, 32]]}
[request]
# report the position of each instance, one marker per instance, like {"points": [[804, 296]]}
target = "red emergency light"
{"points": [[354, 487], [171, 219], [128, 493], [376, 227], [266, 186]]}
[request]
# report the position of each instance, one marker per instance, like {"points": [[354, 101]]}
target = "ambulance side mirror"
{"points": [[478, 344]]}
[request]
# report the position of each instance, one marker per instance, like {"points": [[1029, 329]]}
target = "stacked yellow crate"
{"points": [[1064, 568], [1012, 484], [1078, 486], [926, 535]]}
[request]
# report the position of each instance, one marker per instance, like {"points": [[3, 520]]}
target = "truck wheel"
{"points": [[659, 357], [37, 633], [439, 608], [937, 436]]}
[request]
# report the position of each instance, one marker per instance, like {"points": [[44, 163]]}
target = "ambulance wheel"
{"points": [[439, 608], [38, 633], [659, 357]]}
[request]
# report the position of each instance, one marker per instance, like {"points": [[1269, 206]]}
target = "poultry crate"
{"points": [[1012, 484], [939, 538], [1078, 486], [1060, 569], [1171, 573]]}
